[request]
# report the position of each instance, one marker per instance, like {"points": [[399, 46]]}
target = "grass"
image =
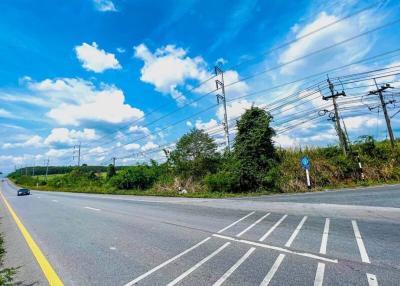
{"points": [[6, 274]]}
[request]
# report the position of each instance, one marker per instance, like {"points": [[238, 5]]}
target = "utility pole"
{"points": [[221, 97], [113, 160], [336, 118], [77, 148], [47, 167], [33, 170], [380, 91]]}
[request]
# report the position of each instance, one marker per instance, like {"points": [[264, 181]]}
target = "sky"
{"points": [[127, 78]]}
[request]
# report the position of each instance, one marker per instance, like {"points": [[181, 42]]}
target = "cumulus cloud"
{"points": [[169, 68], [95, 59], [212, 124], [76, 101], [132, 146], [97, 150], [64, 136], [34, 141], [57, 153], [104, 5], [149, 146], [139, 130]]}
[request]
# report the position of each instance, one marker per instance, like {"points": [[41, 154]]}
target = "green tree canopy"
{"points": [[111, 171], [254, 149], [195, 154]]}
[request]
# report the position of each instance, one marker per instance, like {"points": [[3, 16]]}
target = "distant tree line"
{"points": [[197, 165]]}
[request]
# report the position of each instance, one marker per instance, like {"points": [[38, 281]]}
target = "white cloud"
{"points": [[212, 124], [77, 100], [139, 130], [336, 33], [285, 141], [69, 137], [132, 146], [7, 160], [34, 141], [97, 150], [235, 109], [94, 59], [121, 50], [149, 146], [169, 68], [5, 113], [104, 5], [58, 152], [359, 123]]}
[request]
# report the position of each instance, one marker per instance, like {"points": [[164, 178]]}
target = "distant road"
{"points": [[329, 238]]}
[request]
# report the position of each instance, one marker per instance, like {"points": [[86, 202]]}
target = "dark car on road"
{"points": [[23, 192]]}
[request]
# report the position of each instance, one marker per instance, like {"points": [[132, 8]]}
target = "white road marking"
{"points": [[296, 232], [193, 268], [272, 228], [277, 248], [252, 225], [319, 275], [325, 234], [232, 224], [93, 209], [54, 201], [273, 269], [113, 248], [234, 267], [360, 243], [372, 281], [141, 277]]}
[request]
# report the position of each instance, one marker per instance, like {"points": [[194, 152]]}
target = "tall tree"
{"points": [[195, 154], [254, 149]]}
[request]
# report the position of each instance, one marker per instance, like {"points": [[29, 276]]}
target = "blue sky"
{"points": [[97, 71]]}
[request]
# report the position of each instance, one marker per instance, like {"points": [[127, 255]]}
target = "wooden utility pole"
{"points": [[336, 119]]}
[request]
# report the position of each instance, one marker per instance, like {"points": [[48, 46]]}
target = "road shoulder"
{"points": [[18, 253]]}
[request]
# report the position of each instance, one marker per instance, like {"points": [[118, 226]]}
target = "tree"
{"points": [[111, 171], [195, 155], [254, 150]]}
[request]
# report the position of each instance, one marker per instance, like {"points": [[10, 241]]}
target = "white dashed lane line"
{"points": [[93, 209], [360, 243], [272, 228]]}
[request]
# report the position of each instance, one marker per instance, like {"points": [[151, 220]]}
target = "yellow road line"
{"points": [[46, 267]]}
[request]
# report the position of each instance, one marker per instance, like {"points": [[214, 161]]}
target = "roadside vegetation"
{"points": [[254, 166], [6, 274]]}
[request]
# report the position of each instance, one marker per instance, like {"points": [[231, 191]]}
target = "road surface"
{"points": [[331, 238]]}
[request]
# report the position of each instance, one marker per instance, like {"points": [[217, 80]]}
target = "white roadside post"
{"points": [[308, 179]]}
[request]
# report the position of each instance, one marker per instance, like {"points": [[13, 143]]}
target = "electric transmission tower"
{"points": [[222, 97], [77, 153]]}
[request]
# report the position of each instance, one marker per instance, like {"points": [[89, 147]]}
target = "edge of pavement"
{"points": [[18, 254], [386, 214]]}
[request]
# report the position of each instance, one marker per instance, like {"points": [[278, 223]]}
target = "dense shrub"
{"points": [[136, 177]]}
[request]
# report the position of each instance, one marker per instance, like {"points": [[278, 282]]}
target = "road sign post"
{"points": [[305, 163]]}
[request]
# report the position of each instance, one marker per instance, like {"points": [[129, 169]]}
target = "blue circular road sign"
{"points": [[305, 162]]}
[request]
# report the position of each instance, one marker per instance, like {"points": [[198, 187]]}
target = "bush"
{"points": [[223, 181], [136, 177]]}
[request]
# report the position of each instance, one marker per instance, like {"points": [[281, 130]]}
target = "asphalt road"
{"points": [[331, 238]]}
